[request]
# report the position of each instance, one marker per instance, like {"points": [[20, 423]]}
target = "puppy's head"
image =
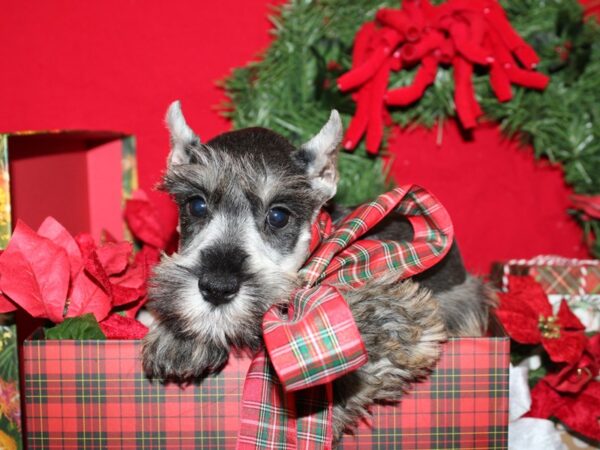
{"points": [[246, 200]]}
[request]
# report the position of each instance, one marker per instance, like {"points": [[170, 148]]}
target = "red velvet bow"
{"points": [[462, 33]]}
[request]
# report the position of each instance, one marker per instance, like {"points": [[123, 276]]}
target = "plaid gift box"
{"points": [[575, 280], [94, 395]]}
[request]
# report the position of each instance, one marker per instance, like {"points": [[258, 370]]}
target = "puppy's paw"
{"points": [[166, 356]]}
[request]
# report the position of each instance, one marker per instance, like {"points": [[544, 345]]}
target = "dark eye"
{"points": [[198, 207], [278, 217]]}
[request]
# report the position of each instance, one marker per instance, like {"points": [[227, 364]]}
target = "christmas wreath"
{"points": [[300, 78]]}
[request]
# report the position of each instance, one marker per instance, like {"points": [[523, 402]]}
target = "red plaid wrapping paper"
{"points": [[94, 395]]}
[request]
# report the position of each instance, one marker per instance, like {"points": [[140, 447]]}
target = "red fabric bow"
{"points": [[461, 33], [316, 340]]}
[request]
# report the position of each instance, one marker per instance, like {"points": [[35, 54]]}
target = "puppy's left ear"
{"points": [[319, 156]]}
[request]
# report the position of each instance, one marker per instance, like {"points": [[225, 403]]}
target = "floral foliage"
{"points": [[569, 390]]}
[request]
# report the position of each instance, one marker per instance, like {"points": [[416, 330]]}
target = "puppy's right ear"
{"points": [[183, 139]]}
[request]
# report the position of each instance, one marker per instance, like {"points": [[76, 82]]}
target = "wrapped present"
{"points": [[575, 280], [94, 394], [79, 177]]}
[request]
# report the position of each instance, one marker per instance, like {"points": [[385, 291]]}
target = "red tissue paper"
{"points": [[53, 275]]}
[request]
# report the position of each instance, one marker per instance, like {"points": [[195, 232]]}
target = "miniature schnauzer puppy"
{"points": [[247, 200]]}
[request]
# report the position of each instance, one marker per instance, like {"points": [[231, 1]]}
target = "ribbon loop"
{"points": [[336, 262], [318, 344]]}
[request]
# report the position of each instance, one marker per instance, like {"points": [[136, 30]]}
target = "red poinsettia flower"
{"points": [[528, 318], [6, 305], [52, 275], [578, 412], [572, 393], [572, 378], [148, 226]]}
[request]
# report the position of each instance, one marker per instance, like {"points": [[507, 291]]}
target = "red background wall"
{"points": [[117, 64]]}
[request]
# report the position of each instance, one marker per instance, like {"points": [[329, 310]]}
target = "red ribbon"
{"points": [[459, 32], [314, 340]]}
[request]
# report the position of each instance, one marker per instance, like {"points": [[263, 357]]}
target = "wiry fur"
{"points": [[465, 307], [242, 176], [402, 329], [270, 269]]}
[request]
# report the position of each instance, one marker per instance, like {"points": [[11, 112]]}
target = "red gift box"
{"points": [[94, 394], [81, 178]]}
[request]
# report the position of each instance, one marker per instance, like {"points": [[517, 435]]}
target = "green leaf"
{"points": [[78, 328], [536, 375]]}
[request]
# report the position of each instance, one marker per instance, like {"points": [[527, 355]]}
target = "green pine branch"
{"points": [[292, 88]]}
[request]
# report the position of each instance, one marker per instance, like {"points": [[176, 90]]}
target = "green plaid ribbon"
{"points": [[287, 398]]}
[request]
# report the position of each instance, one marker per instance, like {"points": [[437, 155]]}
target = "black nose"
{"points": [[221, 273], [218, 290]]}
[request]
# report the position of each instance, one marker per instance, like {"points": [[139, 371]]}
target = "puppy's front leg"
{"points": [[169, 356]]}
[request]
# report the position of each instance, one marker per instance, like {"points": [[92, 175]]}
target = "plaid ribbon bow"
{"points": [[287, 398]]}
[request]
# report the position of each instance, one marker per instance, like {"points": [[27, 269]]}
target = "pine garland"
{"points": [[292, 88], [561, 122]]}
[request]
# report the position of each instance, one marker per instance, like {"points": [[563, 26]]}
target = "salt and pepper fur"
{"points": [[241, 174]]}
